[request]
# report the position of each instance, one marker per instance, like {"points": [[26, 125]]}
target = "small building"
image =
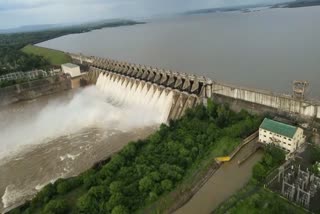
{"points": [[287, 137], [71, 69]]}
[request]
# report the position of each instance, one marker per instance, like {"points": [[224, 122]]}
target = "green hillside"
{"points": [[53, 56]]}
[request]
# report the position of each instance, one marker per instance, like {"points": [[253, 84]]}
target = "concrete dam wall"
{"points": [[277, 102], [203, 88], [33, 89], [148, 85], [164, 102], [191, 84]]}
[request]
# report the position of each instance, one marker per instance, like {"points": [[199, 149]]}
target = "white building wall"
{"points": [[288, 144], [318, 116], [299, 137], [74, 72]]}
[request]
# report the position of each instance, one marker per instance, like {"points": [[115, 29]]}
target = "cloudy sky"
{"points": [[14, 13]]}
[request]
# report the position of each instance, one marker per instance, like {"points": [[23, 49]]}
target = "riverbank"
{"points": [[196, 179], [227, 180], [32, 89], [254, 196]]}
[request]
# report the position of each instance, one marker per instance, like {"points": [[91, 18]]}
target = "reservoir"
{"points": [[265, 49]]}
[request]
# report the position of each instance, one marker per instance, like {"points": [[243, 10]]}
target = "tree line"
{"points": [[12, 59]]}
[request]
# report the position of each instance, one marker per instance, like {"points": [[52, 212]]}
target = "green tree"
{"points": [[120, 209], [268, 160], [259, 172], [89, 181], [145, 184], [99, 192], [115, 187], [278, 156], [166, 185], [212, 109], [87, 204], [56, 206], [315, 154], [223, 116], [45, 194], [115, 200], [63, 187]]}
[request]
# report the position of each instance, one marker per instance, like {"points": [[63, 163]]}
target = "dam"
{"points": [[149, 85], [189, 90]]}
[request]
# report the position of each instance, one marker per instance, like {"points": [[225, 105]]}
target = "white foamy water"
{"points": [[137, 96], [12, 195], [46, 140], [114, 106]]}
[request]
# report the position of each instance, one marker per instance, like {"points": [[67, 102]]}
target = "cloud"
{"points": [[32, 12]]}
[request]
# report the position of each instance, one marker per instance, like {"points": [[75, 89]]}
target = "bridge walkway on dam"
{"points": [[194, 86]]}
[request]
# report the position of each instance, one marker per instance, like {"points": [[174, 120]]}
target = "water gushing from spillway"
{"points": [[48, 138], [129, 93]]}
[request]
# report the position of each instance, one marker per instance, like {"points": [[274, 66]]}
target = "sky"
{"points": [[15, 13]]}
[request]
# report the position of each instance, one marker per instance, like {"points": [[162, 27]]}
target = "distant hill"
{"points": [[246, 8], [29, 28], [92, 25], [224, 9], [299, 3]]}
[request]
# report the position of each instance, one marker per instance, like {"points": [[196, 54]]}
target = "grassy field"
{"points": [[53, 56]]}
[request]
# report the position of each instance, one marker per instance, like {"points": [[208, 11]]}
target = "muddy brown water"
{"points": [[226, 181], [26, 168]]}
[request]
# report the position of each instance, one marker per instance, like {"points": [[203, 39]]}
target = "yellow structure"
{"points": [[223, 159]]}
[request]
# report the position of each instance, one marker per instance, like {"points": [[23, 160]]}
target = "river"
{"points": [[265, 49], [226, 181], [58, 136]]}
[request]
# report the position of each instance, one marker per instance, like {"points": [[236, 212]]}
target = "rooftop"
{"points": [[278, 128], [70, 65]]}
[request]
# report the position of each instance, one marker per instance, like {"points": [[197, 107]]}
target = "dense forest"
{"points": [[147, 169], [12, 59]]}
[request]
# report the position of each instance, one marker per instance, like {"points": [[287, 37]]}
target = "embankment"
{"points": [[33, 89], [227, 180]]}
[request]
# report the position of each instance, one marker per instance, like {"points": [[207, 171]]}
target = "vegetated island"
{"points": [[13, 59], [158, 169]]}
